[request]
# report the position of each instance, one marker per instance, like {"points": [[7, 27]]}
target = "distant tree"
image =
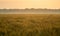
{"points": [[26, 9], [32, 8]]}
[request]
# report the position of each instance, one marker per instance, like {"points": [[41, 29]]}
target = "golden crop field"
{"points": [[29, 24]]}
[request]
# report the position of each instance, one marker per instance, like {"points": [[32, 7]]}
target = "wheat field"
{"points": [[29, 24]]}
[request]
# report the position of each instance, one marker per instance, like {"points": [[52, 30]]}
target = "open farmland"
{"points": [[29, 24]]}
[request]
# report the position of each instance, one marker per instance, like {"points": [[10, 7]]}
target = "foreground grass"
{"points": [[29, 24]]}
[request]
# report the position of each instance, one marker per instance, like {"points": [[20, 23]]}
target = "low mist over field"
{"points": [[30, 11]]}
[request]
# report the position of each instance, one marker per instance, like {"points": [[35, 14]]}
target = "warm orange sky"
{"points": [[29, 3]]}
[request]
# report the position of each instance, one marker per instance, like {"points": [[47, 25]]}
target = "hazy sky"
{"points": [[29, 3]]}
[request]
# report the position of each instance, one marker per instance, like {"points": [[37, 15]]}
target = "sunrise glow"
{"points": [[30, 4]]}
